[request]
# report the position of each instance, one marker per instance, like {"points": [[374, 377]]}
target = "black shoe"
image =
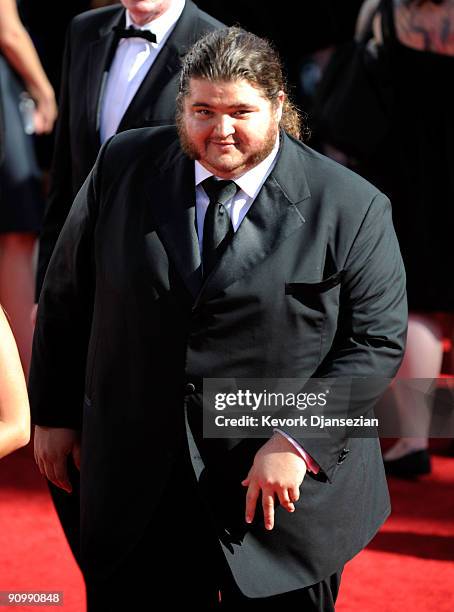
{"points": [[416, 463]]}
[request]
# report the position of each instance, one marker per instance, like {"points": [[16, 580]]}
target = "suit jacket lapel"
{"points": [[173, 204], [273, 216], [100, 56], [165, 66]]}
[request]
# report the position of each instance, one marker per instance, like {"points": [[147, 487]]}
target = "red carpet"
{"points": [[34, 555], [409, 565]]}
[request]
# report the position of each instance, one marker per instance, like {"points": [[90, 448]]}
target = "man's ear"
{"points": [[280, 99]]}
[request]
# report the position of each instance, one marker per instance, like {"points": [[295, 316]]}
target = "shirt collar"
{"points": [[160, 26], [252, 180]]}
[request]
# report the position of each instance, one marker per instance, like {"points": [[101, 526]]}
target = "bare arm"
{"points": [[14, 408], [16, 45]]}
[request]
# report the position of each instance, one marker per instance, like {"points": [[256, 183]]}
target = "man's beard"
{"points": [[249, 162], [187, 146]]}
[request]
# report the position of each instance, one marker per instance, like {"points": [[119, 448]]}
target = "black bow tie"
{"points": [[133, 32]]}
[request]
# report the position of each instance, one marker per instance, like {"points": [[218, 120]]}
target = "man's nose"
{"points": [[225, 126]]}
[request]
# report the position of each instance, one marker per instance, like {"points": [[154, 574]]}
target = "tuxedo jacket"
{"points": [[310, 285], [90, 47]]}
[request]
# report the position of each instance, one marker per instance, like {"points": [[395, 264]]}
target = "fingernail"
{"points": [[248, 519]]}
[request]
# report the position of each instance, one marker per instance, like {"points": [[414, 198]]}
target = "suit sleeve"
{"points": [[60, 192], [64, 318], [372, 323]]}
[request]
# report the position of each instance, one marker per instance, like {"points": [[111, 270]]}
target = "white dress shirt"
{"points": [[131, 63], [250, 184]]}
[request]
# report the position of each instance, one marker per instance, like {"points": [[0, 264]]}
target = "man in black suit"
{"points": [[225, 249], [111, 83]]}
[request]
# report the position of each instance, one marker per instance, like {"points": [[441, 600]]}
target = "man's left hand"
{"points": [[278, 469]]}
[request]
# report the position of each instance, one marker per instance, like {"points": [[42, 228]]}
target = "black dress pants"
{"points": [[177, 559], [67, 506]]}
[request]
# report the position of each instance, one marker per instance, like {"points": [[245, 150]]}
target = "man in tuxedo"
{"points": [[111, 82], [222, 248]]}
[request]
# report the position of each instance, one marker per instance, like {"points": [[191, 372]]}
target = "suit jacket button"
{"points": [[190, 388]]}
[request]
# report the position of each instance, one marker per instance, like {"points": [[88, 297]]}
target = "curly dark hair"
{"points": [[232, 53]]}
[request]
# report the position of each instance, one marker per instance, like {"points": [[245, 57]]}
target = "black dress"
{"points": [[415, 167], [21, 200]]}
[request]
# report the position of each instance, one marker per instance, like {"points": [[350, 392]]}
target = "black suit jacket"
{"points": [[90, 46], [126, 325]]}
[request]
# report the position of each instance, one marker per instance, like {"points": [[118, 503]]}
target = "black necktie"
{"points": [[133, 32], [217, 228]]}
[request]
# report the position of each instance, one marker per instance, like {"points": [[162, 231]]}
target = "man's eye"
{"points": [[202, 112], [241, 113]]}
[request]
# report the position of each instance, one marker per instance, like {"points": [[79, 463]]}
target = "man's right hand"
{"points": [[52, 447]]}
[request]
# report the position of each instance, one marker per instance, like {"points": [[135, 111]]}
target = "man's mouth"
{"points": [[222, 143]]}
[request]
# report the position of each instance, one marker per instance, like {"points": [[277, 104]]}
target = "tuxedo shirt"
{"points": [[132, 60]]}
